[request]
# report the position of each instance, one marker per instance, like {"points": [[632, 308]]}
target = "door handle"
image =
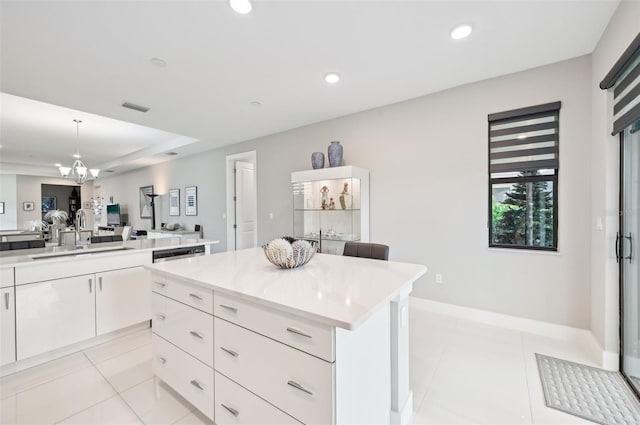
{"points": [[617, 247], [161, 316], [196, 334], [297, 386], [230, 352], [298, 332], [6, 300], [231, 410], [100, 282], [228, 307], [196, 384], [630, 247], [90, 285], [197, 297], [162, 360]]}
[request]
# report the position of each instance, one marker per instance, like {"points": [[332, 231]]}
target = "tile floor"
{"points": [[461, 373]]}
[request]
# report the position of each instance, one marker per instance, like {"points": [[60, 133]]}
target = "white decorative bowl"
{"points": [[289, 255]]}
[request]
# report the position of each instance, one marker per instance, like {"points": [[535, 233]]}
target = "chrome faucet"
{"points": [[81, 222]]}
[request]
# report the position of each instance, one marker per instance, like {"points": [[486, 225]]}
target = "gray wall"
{"points": [[8, 195], [428, 163]]}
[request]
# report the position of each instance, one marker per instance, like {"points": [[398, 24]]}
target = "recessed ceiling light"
{"points": [[57, 165], [256, 103], [332, 78], [241, 6], [461, 31], [76, 155], [172, 153], [160, 63]]}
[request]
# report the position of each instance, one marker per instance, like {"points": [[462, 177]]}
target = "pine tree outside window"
{"points": [[523, 178]]}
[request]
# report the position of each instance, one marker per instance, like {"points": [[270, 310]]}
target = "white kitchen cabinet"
{"points": [[7, 326], [53, 314], [123, 298]]}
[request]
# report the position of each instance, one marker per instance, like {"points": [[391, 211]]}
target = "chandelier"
{"points": [[78, 172]]}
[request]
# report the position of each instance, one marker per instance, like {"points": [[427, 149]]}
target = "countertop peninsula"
{"points": [[334, 290]]}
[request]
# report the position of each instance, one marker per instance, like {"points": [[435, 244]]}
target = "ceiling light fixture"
{"points": [[256, 103], [241, 6], [461, 31], [332, 78], [78, 172], [160, 63]]}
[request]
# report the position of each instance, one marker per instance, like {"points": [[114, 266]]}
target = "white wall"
{"points": [[428, 163], [8, 195], [621, 30]]}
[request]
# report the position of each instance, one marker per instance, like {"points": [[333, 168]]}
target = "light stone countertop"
{"points": [[330, 289], [24, 257]]}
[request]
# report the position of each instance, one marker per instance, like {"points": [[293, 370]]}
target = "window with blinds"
{"points": [[523, 177]]}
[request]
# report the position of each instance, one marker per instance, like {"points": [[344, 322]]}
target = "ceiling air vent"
{"points": [[172, 153], [135, 107]]}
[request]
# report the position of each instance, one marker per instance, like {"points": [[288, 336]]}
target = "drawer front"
{"points": [[188, 376], [158, 283], [236, 405], [195, 296], [296, 382], [158, 312], [6, 277], [189, 329], [302, 334]]}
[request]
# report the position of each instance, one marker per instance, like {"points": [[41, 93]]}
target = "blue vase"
{"points": [[317, 160], [335, 154]]}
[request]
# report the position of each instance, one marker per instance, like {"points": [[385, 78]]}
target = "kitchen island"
{"points": [[247, 342], [57, 300]]}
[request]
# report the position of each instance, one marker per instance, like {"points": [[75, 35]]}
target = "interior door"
{"points": [[245, 205], [628, 256]]}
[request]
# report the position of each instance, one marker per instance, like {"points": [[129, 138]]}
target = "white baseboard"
{"points": [[403, 417], [608, 359]]}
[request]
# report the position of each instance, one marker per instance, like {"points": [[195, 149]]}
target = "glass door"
{"points": [[628, 255]]}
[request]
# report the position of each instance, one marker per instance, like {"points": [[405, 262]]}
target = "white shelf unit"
{"points": [[331, 228]]}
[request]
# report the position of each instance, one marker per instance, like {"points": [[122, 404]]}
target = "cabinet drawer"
{"points": [[186, 327], [195, 296], [158, 312], [302, 334], [296, 382], [189, 377], [236, 405], [6, 277], [158, 283]]}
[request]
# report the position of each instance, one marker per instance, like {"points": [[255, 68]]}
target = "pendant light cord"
{"points": [[77, 137]]}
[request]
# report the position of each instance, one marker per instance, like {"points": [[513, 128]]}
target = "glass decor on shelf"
{"points": [[331, 206]]}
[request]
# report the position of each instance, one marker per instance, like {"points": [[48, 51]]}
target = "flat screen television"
{"points": [[113, 215]]}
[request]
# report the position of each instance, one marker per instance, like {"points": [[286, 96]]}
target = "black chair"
{"points": [[366, 250]]}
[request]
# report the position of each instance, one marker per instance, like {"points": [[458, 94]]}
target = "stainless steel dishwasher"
{"points": [[177, 253]]}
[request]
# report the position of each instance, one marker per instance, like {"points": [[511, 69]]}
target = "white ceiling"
{"points": [[91, 56]]}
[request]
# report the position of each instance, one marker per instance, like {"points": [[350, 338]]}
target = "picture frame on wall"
{"points": [[145, 201], [174, 202], [1, 207], [27, 206], [191, 200], [86, 205], [48, 203]]}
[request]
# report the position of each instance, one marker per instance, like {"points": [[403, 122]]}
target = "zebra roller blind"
{"points": [[524, 139], [624, 79]]}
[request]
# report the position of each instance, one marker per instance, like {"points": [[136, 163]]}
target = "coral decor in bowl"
{"points": [[288, 253]]}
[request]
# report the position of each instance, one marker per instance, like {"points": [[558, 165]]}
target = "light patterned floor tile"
{"points": [[116, 347], [37, 375], [57, 399], [155, 403], [128, 369], [194, 418], [109, 412]]}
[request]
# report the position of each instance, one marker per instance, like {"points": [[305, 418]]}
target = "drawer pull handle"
{"points": [[228, 307], [162, 360], [297, 386], [196, 334], [100, 282], [230, 352], [6, 300], [231, 410], [161, 316], [197, 297], [90, 285], [196, 384], [162, 285], [298, 332]]}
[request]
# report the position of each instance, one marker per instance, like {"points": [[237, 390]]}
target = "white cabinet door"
{"points": [[123, 298], [54, 314], [7, 326]]}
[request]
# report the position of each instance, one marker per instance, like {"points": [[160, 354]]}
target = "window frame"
{"points": [[525, 113]]}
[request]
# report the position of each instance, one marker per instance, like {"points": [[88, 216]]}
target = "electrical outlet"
{"points": [[438, 278]]}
